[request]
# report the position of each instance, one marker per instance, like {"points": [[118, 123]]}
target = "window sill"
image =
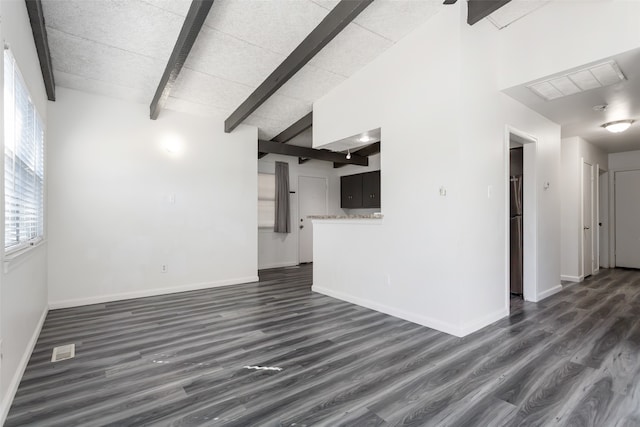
{"points": [[17, 257]]}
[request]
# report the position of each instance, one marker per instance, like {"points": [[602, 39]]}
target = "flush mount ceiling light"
{"points": [[619, 126], [599, 75], [365, 138]]}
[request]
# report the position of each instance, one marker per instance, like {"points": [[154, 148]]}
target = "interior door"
{"points": [[587, 219], [627, 205], [312, 200]]}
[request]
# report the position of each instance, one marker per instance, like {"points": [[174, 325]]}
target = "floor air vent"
{"points": [[63, 352]]}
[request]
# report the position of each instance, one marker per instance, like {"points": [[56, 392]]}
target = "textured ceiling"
{"points": [[120, 49]]}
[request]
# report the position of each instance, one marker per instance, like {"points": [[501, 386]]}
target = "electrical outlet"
{"points": [[164, 268]]}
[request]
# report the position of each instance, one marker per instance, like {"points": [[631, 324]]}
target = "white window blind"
{"points": [[266, 200], [23, 162]]}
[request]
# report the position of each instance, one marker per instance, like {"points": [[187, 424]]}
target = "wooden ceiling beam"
{"points": [[310, 153], [367, 151], [335, 21], [292, 131], [39, 30], [193, 22], [480, 9]]}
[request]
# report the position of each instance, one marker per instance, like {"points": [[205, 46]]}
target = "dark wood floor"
{"points": [[180, 359]]}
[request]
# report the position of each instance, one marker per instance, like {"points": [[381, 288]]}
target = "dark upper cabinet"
{"points": [[360, 191], [371, 189], [351, 191]]}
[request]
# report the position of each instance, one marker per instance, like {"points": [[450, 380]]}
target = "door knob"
{"points": [[587, 228], [302, 226]]}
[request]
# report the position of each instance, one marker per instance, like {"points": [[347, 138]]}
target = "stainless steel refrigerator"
{"points": [[515, 185]]}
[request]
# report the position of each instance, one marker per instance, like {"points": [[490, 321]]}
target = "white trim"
{"points": [[545, 294], [15, 381], [481, 322], [53, 305], [278, 265], [429, 322], [572, 278]]}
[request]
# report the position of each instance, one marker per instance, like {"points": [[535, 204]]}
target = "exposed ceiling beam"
{"points": [[295, 129], [479, 9], [337, 19], [39, 30], [292, 131], [310, 153], [367, 151], [193, 22], [450, 1], [302, 160]]}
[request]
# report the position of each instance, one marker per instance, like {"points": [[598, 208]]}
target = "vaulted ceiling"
{"points": [[120, 48]]}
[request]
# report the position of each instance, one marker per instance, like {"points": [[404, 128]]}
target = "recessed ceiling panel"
{"points": [[310, 83], [132, 25], [513, 11], [394, 19], [95, 61], [279, 26], [350, 50], [184, 106], [205, 89], [230, 58], [98, 87]]}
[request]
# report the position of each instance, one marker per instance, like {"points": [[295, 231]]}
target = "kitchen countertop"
{"points": [[363, 216]]}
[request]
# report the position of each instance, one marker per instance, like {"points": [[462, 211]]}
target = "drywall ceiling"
{"points": [[575, 112], [120, 48]]}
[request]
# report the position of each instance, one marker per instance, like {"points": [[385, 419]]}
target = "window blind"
{"points": [[23, 162], [266, 200]]}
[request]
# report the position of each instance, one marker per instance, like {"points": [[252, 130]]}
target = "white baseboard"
{"points": [[17, 376], [545, 294], [572, 278], [53, 305], [480, 323], [278, 265], [448, 328]]}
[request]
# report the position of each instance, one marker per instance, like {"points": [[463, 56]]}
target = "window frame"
{"points": [[37, 169]]}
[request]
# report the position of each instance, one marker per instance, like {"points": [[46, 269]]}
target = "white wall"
{"points": [[575, 151], [279, 249], [23, 293], [566, 34], [442, 259], [112, 221]]}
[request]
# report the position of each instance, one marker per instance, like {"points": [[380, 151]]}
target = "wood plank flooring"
{"points": [[179, 360]]}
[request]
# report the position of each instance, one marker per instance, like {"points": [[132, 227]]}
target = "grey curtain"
{"points": [[283, 213]]}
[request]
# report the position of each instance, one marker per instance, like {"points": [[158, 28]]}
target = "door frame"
{"points": [[530, 214], [582, 223], [612, 214], [326, 204]]}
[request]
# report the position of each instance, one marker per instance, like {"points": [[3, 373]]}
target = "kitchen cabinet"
{"points": [[371, 190], [360, 191]]}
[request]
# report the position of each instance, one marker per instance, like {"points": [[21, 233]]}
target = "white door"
{"points": [[312, 200], [587, 219], [627, 192]]}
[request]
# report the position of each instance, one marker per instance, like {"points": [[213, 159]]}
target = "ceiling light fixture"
{"points": [[364, 138], [619, 126], [348, 154]]}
